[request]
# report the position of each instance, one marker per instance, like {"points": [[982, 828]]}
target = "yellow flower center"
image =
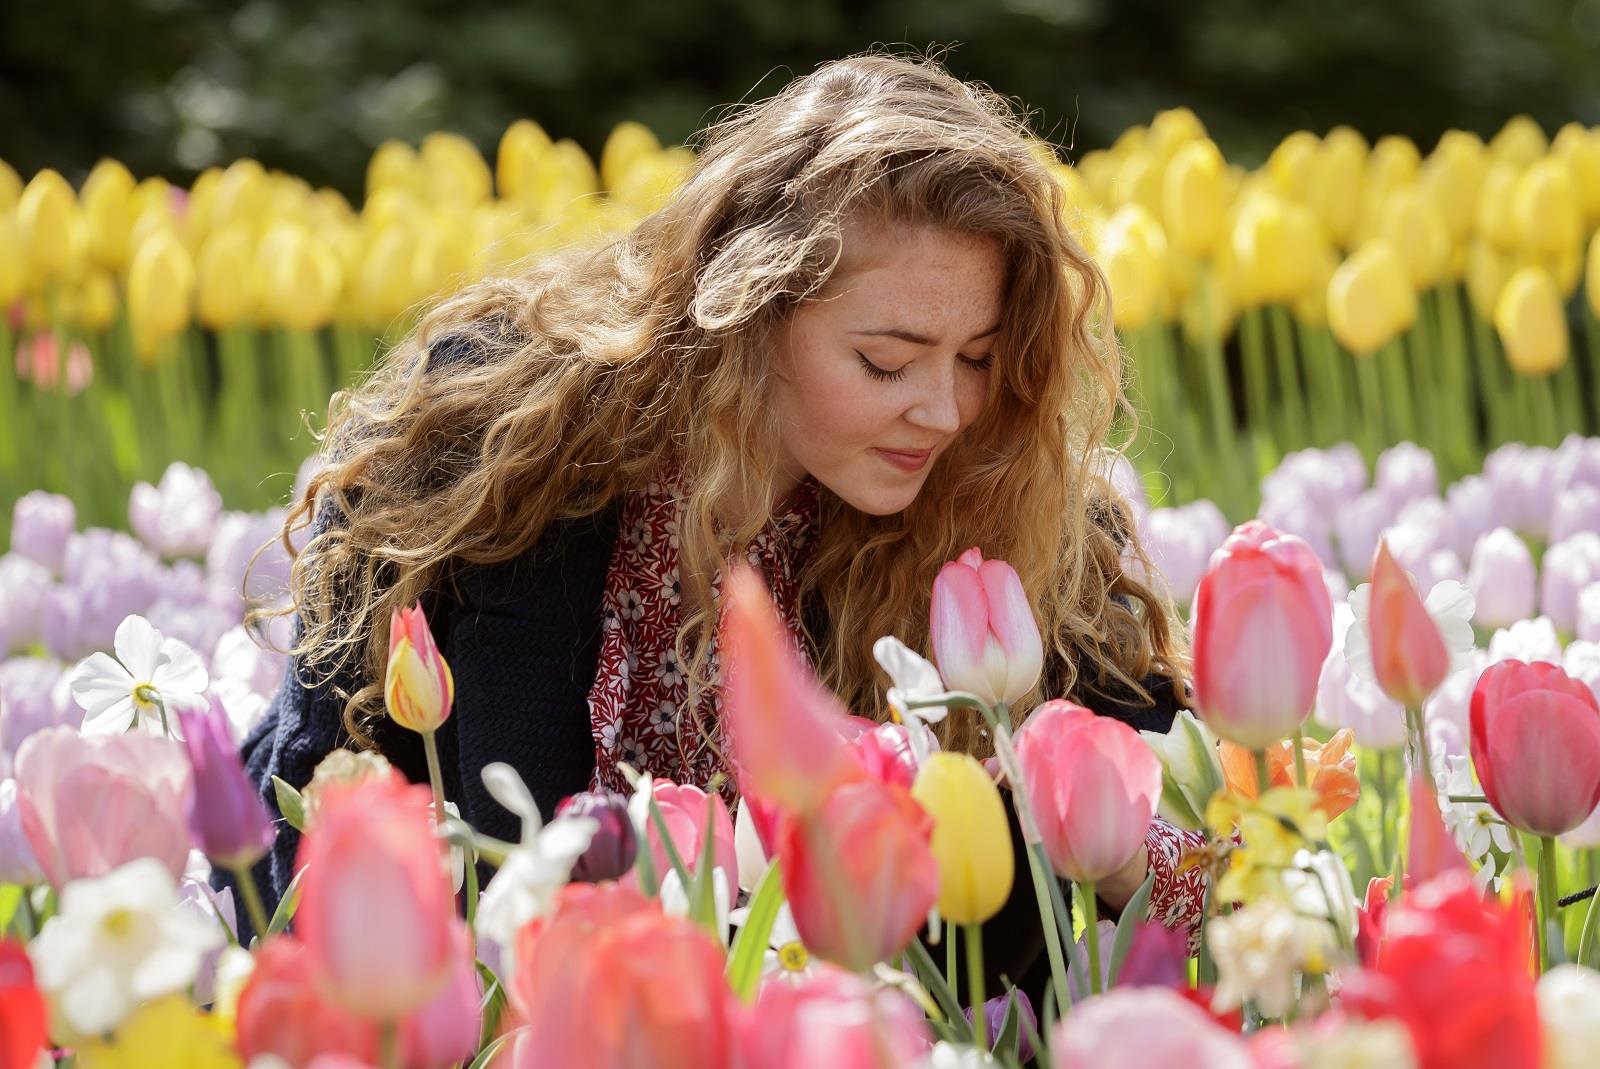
{"points": [[793, 956], [145, 696], [119, 923]]}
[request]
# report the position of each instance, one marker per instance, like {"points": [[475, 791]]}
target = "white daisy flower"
{"points": [[129, 690]]}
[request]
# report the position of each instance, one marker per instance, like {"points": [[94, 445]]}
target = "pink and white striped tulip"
{"points": [[1093, 784], [985, 639], [1263, 625]]}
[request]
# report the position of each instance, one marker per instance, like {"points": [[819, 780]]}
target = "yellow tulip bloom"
{"points": [[455, 170], [1495, 219], [1591, 275], [1487, 271], [394, 165], [227, 278], [1291, 162], [1415, 228], [107, 199], [971, 836], [1452, 178], [241, 194], [1194, 201], [302, 282], [520, 147], [11, 273], [1545, 208], [1370, 299], [169, 1032], [1531, 324], [1274, 241], [49, 225], [1171, 129], [1333, 184], [1520, 141], [626, 146], [1133, 255], [10, 186], [161, 286], [97, 300]]}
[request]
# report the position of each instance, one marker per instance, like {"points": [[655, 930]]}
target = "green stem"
{"points": [[1295, 417], [980, 1020], [1547, 423], [1384, 858], [1547, 900], [1393, 358], [1257, 388], [430, 746], [1263, 779], [1091, 933], [1372, 417], [1478, 798], [1300, 776], [952, 963], [389, 1045], [253, 905]]}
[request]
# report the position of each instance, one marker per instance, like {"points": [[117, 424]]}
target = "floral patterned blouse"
{"points": [[636, 703]]}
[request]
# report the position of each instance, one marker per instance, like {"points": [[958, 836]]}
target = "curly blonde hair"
{"points": [[601, 365]]}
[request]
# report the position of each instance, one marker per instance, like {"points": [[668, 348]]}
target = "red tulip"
{"points": [[22, 1014], [281, 1013], [1455, 971], [374, 865], [1536, 746], [1262, 626], [90, 804], [607, 981], [985, 639], [859, 872], [1409, 656], [832, 1018], [684, 810], [783, 724], [1093, 785]]}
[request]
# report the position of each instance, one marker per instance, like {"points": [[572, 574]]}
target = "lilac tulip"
{"points": [[1569, 566], [1524, 493], [1406, 472], [1179, 543], [61, 624], [35, 694], [25, 585], [237, 655], [1526, 640], [1125, 480], [17, 863], [1588, 626], [612, 851], [40, 524], [994, 1012], [178, 517], [1503, 578], [229, 560], [1299, 515], [229, 821], [1471, 511], [1581, 661], [1576, 463], [1577, 509], [1357, 528]]}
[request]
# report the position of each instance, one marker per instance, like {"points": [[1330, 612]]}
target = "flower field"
{"points": [[1366, 470]]}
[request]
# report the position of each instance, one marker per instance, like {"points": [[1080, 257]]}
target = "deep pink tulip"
{"points": [[832, 1018], [885, 752], [1536, 746], [985, 638], [1137, 1027], [784, 725], [1093, 785], [91, 804], [376, 911], [686, 811], [1408, 652], [859, 872], [444, 1032], [1262, 626]]}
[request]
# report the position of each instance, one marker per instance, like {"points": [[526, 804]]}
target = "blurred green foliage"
{"points": [[311, 86]]}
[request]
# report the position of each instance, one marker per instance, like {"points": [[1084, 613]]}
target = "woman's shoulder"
{"points": [[1118, 701]]}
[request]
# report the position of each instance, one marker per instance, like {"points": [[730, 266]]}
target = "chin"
{"points": [[879, 500]]}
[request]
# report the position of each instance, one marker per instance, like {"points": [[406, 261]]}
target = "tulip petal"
{"points": [[1012, 621], [959, 628]]}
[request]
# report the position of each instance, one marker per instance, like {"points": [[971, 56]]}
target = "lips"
{"points": [[906, 459]]}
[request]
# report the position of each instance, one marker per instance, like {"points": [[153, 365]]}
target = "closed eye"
{"points": [[982, 363]]}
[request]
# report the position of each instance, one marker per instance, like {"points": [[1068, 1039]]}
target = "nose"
{"points": [[936, 407]]}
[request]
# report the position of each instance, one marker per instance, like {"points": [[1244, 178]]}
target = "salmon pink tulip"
{"points": [[833, 1018], [90, 804], [374, 865], [985, 639], [281, 1013], [1536, 746], [444, 1032], [417, 687], [859, 872], [1409, 656], [686, 811], [1093, 785], [1262, 626]]}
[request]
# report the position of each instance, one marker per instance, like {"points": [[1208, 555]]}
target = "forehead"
{"points": [[939, 276]]}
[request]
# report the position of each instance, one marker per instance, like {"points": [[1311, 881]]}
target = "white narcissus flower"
{"points": [[526, 885], [1344, 700], [1569, 1016], [947, 1055], [675, 899], [126, 691], [748, 853], [1357, 1044], [119, 940], [1258, 949], [786, 956], [1191, 769], [1449, 603], [914, 677], [1526, 640]]}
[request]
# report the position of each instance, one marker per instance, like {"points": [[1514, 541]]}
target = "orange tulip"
{"points": [[1330, 766], [1408, 652]]}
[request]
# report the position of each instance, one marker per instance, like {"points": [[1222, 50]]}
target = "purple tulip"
{"points": [[1298, 514], [611, 851], [40, 524], [994, 1013], [34, 695], [1576, 462], [1569, 566], [1158, 956], [1577, 509], [1179, 543], [1524, 492], [226, 815], [1503, 579], [17, 863], [1406, 472], [228, 561]]}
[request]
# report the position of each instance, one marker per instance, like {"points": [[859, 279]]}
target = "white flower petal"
{"points": [[507, 788], [138, 646], [182, 671], [98, 681], [114, 719]]}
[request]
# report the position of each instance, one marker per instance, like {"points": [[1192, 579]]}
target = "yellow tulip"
{"points": [[1290, 163], [1580, 148], [1414, 227], [628, 143], [971, 836], [520, 148], [391, 206], [11, 276], [302, 280], [1392, 165], [1208, 312], [10, 187], [1567, 269], [653, 179], [169, 1032], [227, 277], [394, 165], [1370, 299], [97, 300], [241, 194], [1591, 275], [456, 171], [1529, 319], [1452, 178], [384, 287], [1133, 255], [1545, 208], [443, 255], [1311, 307], [1487, 272], [50, 227], [161, 285], [1273, 242], [1141, 180], [1520, 141], [1333, 185], [1172, 129], [107, 198], [328, 208], [562, 175], [1193, 200]]}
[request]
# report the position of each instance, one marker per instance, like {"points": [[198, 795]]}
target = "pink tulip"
{"points": [[444, 1032], [836, 1019], [1093, 785], [1137, 1027], [685, 810], [985, 639], [859, 872], [376, 911], [606, 981], [1409, 656], [1262, 626], [92, 804], [886, 754], [784, 725], [280, 1012], [1536, 746]]}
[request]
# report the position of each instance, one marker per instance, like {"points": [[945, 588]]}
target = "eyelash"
{"points": [[982, 364]]}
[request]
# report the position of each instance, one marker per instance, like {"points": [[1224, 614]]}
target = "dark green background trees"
{"points": [[311, 86]]}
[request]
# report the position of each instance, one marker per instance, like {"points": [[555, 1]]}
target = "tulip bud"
{"points": [[418, 687], [1452, 177], [1536, 746], [161, 285], [1414, 227], [522, 143], [1520, 141], [1333, 186], [303, 281], [1531, 323], [229, 821], [1271, 239], [1409, 657], [11, 263], [612, 850], [984, 636], [1193, 198], [1370, 299], [107, 198], [1569, 567], [1545, 209], [971, 837], [1502, 577], [227, 277], [1133, 250]]}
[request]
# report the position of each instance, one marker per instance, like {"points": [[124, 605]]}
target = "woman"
{"points": [[858, 340]]}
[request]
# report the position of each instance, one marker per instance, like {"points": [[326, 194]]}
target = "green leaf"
{"points": [[931, 978], [488, 1053], [1137, 909], [749, 946], [1589, 941], [10, 899], [286, 906], [494, 1004], [290, 804], [703, 892], [1010, 1028], [667, 844], [1041, 1050]]}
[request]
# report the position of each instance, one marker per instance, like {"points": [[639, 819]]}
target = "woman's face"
{"points": [[878, 374]]}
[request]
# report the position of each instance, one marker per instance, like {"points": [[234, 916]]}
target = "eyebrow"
{"points": [[919, 339]]}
